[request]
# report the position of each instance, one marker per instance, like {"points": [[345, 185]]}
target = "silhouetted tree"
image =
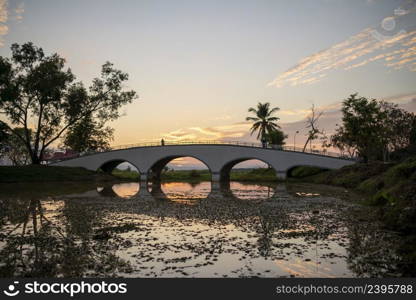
{"points": [[264, 121], [311, 123], [4, 136], [15, 149], [276, 137], [88, 135], [37, 88], [373, 129]]}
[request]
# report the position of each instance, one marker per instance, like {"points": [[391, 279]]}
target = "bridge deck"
{"points": [[216, 143]]}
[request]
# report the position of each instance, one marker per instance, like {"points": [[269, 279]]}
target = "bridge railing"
{"points": [[209, 142]]}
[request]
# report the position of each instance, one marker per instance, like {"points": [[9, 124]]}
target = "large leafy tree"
{"points": [[37, 92], [276, 137], [399, 128], [4, 138], [15, 150], [4, 134], [264, 122], [373, 129], [88, 135]]}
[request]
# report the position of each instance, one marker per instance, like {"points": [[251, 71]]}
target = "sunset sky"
{"points": [[198, 65]]}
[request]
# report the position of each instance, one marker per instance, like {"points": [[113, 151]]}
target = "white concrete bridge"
{"points": [[219, 157]]}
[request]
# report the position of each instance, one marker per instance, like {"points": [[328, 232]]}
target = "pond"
{"points": [[180, 229]]}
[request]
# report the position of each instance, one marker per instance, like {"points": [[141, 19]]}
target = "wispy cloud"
{"points": [[233, 131], [397, 50], [294, 112], [241, 131], [19, 10], [3, 11], [4, 16]]}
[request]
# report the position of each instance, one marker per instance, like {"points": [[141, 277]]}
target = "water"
{"points": [[191, 230]]}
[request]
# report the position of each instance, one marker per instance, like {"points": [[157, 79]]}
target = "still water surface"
{"points": [[180, 229]]}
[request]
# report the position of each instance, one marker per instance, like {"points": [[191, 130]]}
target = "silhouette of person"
{"points": [[162, 142], [264, 142]]}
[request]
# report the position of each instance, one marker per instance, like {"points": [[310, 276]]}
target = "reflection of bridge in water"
{"points": [[173, 191], [219, 158]]}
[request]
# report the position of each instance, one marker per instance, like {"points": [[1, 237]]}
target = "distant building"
{"points": [[5, 161], [60, 155]]}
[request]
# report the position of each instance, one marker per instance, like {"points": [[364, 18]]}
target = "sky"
{"points": [[197, 66]]}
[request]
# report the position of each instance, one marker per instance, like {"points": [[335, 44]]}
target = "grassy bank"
{"points": [[260, 174], [55, 174], [247, 175], [49, 174], [186, 175], [125, 174], [389, 188]]}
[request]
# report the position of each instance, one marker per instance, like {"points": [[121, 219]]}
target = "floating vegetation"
{"points": [[193, 230]]}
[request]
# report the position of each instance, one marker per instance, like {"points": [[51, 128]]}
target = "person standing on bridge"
{"points": [[162, 142], [263, 142]]}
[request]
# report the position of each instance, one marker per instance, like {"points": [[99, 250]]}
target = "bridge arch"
{"points": [[155, 171], [109, 165], [227, 167]]}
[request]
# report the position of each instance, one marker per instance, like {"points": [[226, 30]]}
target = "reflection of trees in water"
{"points": [[268, 223], [79, 237], [63, 245], [276, 227], [190, 190], [273, 225]]}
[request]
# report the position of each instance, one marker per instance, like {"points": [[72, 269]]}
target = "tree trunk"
{"points": [[35, 159], [306, 144]]}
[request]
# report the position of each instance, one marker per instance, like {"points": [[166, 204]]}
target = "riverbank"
{"points": [[389, 188], [245, 175], [33, 173]]}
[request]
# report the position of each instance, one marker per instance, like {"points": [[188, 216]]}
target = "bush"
{"points": [[194, 174], [305, 171]]}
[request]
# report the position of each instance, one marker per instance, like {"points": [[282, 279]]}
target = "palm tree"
{"points": [[264, 122]]}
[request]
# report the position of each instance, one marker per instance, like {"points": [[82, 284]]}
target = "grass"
{"points": [[34, 190], [246, 175], [186, 175], [33, 173], [305, 171], [38, 173], [125, 174], [260, 174]]}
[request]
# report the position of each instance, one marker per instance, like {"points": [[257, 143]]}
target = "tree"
{"points": [[4, 134], [14, 149], [36, 88], [264, 121], [88, 135], [344, 144], [311, 123], [373, 129], [325, 141], [276, 137], [4, 137], [399, 126]]}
